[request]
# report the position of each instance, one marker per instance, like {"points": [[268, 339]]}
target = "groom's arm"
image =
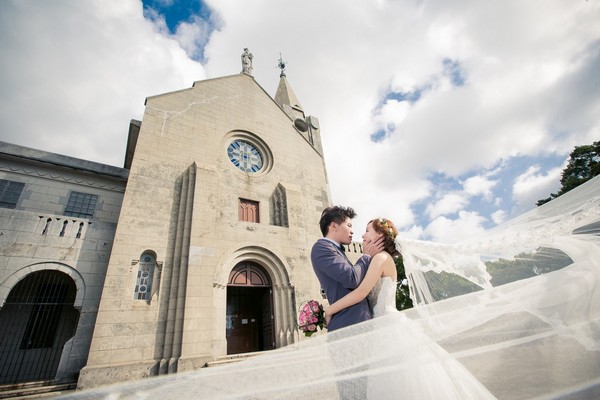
{"points": [[330, 262]]}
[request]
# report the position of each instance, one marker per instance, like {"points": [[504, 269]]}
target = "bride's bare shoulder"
{"points": [[383, 256], [389, 266], [380, 256]]}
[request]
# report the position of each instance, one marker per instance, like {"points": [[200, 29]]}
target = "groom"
{"points": [[335, 272]]}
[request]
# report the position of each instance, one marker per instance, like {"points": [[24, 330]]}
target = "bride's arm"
{"points": [[373, 274]]}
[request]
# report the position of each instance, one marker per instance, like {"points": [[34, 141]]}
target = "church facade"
{"points": [[197, 249]]}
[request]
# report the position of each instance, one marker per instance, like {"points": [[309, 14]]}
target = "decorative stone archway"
{"points": [[249, 319], [36, 321], [11, 281], [283, 294]]}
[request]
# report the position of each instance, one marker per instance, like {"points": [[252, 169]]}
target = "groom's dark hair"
{"points": [[337, 214]]}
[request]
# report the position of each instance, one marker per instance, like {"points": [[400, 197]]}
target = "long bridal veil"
{"points": [[511, 314], [529, 326]]}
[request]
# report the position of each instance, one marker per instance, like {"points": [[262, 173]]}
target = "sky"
{"points": [[446, 117]]}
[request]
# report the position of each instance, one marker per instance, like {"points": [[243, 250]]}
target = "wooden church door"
{"points": [[249, 310]]}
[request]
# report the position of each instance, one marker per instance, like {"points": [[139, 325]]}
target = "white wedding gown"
{"points": [[416, 367]]}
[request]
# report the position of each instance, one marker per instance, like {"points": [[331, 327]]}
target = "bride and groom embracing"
{"points": [[353, 290], [391, 357], [359, 292]]}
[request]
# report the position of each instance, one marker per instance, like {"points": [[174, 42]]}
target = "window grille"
{"points": [[81, 205], [10, 192]]}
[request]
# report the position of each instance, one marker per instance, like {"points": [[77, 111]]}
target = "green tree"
{"points": [[525, 265], [584, 164], [403, 300], [444, 285]]}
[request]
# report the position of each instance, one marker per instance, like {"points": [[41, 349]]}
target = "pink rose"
{"points": [[312, 327]]}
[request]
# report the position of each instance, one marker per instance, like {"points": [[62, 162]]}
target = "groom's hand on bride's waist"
{"points": [[327, 316]]}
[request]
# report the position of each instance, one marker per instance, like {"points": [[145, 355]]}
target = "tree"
{"points": [[403, 300], [584, 164], [525, 265], [445, 285]]}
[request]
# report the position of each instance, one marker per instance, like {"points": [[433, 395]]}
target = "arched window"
{"points": [[145, 273], [78, 236], [64, 228], [248, 274], [47, 226], [279, 214]]}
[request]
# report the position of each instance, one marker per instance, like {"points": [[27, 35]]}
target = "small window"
{"points": [[78, 236], [81, 205], [279, 215], [143, 282], [10, 192], [248, 211]]}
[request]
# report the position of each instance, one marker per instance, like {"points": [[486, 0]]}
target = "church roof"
{"points": [[285, 95], [59, 160]]}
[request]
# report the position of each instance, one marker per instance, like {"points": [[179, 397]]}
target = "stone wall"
{"points": [[36, 235]]}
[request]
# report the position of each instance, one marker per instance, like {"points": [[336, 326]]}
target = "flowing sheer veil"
{"points": [[511, 314]]}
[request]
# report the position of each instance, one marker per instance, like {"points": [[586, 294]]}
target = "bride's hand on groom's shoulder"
{"points": [[371, 248]]}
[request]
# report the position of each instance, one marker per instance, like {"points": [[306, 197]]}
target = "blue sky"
{"points": [[176, 15], [176, 12], [452, 117]]}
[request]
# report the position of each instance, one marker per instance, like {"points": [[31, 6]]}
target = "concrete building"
{"points": [[58, 217], [197, 249]]}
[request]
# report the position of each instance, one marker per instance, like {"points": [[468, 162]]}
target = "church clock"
{"points": [[245, 156]]}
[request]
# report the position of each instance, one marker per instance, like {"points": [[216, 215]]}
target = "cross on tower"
{"points": [[281, 66]]}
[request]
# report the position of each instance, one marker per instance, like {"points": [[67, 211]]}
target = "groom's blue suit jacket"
{"points": [[338, 277]]}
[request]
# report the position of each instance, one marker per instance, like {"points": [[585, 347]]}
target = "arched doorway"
{"points": [[249, 320], [36, 321]]}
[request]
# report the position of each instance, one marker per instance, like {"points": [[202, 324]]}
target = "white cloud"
{"points": [[391, 114], [528, 186], [479, 186], [193, 35], [499, 216], [450, 203], [445, 230], [79, 71], [415, 232]]}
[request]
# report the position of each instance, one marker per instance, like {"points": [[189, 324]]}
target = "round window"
{"points": [[245, 156]]}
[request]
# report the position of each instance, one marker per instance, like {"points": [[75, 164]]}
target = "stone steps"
{"points": [[230, 359], [35, 390]]}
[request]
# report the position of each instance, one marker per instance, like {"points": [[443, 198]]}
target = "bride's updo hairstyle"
{"points": [[389, 231]]}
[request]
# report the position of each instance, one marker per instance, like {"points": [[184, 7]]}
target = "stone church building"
{"points": [[196, 250]]}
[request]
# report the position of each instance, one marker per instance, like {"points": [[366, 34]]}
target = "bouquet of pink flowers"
{"points": [[310, 317]]}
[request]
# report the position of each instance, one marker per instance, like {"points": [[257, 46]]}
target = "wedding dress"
{"points": [[416, 366], [514, 312]]}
